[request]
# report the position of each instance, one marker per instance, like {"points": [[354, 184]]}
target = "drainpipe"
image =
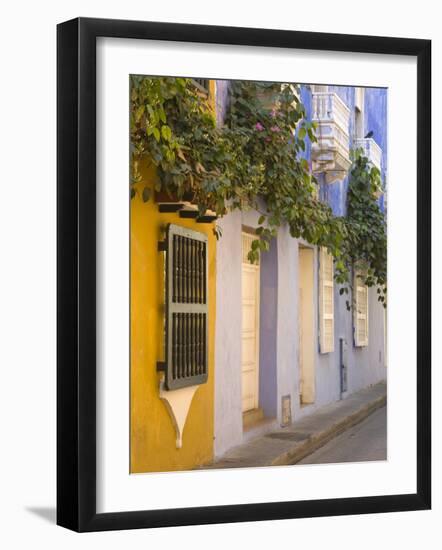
{"points": [[343, 358]]}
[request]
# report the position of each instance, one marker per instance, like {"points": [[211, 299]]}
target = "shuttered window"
{"points": [[326, 302], [202, 84], [186, 330], [360, 310], [247, 240]]}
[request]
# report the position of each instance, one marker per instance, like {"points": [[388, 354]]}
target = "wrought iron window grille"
{"points": [[186, 307]]}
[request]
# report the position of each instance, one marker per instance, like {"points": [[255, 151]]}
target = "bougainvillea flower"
{"points": [[259, 127]]}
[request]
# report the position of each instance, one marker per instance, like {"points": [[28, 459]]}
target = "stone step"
{"points": [[252, 417]]}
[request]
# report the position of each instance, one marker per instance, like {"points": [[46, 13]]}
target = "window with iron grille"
{"points": [[186, 326], [202, 84]]}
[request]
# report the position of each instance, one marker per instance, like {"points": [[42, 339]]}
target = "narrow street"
{"points": [[365, 441]]}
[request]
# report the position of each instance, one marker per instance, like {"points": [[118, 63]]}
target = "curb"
{"points": [[317, 440]]}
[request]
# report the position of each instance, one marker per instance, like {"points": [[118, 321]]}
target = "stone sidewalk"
{"points": [[290, 445]]}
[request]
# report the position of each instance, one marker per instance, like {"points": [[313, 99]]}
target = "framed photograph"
{"points": [[243, 274]]}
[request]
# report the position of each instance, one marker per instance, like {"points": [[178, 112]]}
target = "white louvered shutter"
{"points": [[326, 305], [360, 313]]}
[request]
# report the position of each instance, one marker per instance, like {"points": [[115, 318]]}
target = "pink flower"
{"points": [[275, 129], [273, 113], [259, 127]]}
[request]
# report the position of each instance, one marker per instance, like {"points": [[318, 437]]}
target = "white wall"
{"points": [[287, 334], [228, 406], [365, 365], [27, 290]]}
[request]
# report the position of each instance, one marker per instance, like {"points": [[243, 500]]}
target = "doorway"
{"points": [[306, 310], [250, 280]]}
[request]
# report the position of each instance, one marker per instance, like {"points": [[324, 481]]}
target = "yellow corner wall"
{"points": [[152, 445]]}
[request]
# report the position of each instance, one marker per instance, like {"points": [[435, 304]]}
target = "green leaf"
{"points": [[139, 112], [166, 132], [239, 164], [146, 194], [156, 133]]}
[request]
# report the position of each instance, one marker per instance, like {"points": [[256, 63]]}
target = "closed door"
{"points": [[301, 343], [250, 328], [306, 310]]}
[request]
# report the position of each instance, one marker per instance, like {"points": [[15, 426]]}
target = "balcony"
{"points": [[331, 152], [371, 150]]}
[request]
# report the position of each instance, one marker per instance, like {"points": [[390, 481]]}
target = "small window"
{"points": [[326, 302], [360, 310], [186, 327]]}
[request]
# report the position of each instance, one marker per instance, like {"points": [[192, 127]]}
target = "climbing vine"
{"points": [[366, 244], [255, 160]]}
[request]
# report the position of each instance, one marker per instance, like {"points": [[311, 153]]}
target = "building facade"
{"points": [[286, 344], [280, 342]]}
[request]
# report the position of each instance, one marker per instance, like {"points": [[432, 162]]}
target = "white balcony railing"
{"points": [[331, 152], [371, 150]]}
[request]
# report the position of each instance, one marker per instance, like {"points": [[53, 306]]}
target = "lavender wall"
{"points": [[228, 411], [222, 99], [268, 331]]}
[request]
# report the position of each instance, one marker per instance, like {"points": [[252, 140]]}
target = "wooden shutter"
{"points": [[326, 302], [186, 330], [247, 240], [360, 312]]}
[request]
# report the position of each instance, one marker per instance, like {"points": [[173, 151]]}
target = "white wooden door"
{"points": [[306, 309], [250, 328]]}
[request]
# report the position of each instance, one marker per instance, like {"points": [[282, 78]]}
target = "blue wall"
{"points": [[375, 119]]}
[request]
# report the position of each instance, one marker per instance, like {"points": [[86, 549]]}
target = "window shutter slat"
{"points": [[186, 312], [326, 302]]}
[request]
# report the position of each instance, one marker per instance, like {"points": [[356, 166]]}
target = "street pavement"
{"points": [[273, 446], [364, 441]]}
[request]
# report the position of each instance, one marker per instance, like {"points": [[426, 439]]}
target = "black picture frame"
{"points": [[76, 274]]}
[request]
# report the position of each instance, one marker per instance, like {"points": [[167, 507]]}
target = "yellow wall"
{"points": [[152, 433]]}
